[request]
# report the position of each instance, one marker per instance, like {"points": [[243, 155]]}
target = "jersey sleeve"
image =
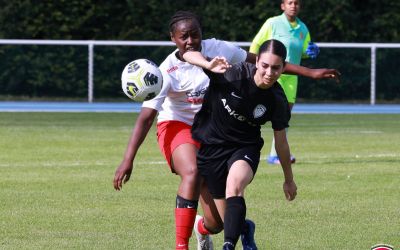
{"points": [[281, 116], [215, 78], [232, 74], [305, 45], [234, 54], [263, 35]]}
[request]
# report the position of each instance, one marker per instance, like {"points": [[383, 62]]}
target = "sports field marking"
{"points": [[77, 164], [363, 156], [134, 107]]}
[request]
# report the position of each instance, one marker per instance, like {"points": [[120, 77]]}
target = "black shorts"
{"points": [[214, 162]]}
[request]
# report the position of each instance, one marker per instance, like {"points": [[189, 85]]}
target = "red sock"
{"points": [[201, 228], [184, 220]]}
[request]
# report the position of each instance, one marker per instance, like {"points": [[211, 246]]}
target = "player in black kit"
{"points": [[240, 98]]}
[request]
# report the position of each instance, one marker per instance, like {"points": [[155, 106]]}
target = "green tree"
{"points": [[62, 70]]}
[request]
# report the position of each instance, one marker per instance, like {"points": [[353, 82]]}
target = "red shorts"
{"points": [[171, 134]]}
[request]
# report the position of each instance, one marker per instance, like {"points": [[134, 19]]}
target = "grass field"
{"points": [[56, 191]]}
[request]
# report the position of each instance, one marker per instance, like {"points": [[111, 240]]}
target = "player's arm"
{"points": [[251, 58], [294, 69], [216, 65], [283, 151], [316, 74], [139, 133]]}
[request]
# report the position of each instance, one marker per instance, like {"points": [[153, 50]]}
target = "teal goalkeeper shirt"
{"points": [[296, 41]]}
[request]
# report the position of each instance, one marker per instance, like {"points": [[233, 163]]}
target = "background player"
{"points": [[294, 34]]}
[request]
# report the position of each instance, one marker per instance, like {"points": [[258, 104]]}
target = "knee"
{"points": [[234, 188], [190, 176], [214, 228]]}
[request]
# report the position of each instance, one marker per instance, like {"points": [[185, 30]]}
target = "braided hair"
{"points": [[181, 15]]}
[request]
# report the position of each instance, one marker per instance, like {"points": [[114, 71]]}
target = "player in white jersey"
{"points": [[182, 93], [184, 86]]}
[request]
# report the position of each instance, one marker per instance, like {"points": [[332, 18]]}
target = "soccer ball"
{"points": [[141, 80]]}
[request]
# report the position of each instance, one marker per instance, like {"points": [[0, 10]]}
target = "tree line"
{"points": [[61, 71]]}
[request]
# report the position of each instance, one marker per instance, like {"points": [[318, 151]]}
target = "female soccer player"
{"points": [[228, 125], [294, 34], [181, 97]]}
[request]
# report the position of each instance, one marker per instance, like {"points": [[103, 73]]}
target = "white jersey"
{"points": [[184, 84]]}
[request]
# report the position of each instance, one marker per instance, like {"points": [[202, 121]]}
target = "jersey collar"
{"points": [[287, 23]]}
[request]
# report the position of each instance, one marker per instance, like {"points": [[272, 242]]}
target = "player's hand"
{"points": [[218, 65], [326, 73], [290, 190], [122, 175], [312, 50]]}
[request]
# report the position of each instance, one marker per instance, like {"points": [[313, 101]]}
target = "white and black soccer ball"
{"points": [[141, 80]]}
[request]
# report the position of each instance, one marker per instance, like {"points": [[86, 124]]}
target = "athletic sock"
{"points": [[234, 220], [273, 151], [201, 227], [184, 220]]}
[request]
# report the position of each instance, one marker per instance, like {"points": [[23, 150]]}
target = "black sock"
{"points": [[234, 220], [183, 203]]}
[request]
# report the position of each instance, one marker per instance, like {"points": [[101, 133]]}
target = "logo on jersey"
{"points": [[198, 93], [185, 84], [196, 97], [170, 70], [234, 95], [259, 111], [248, 158], [234, 113]]}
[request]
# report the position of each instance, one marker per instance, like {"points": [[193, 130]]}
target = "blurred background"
{"points": [[60, 72]]}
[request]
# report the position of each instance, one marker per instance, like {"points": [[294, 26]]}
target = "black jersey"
{"points": [[234, 108]]}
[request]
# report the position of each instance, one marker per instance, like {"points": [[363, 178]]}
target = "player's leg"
{"points": [[179, 149], [212, 221], [209, 223], [240, 175], [292, 158], [212, 167], [273, 156], [184, 164], [290, 88], [244, 163], [289, 85]]}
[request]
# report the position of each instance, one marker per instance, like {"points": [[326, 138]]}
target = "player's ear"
{"points": [[283, 66], [256, 62], [283, 5], [172, 36]]}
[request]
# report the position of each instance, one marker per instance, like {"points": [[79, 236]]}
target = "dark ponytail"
{"points": [[273, 46]]}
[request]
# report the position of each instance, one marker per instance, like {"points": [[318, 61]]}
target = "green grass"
{"points": [[56, 191]]}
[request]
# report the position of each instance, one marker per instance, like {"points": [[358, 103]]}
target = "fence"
{"points": [[90, 44]]}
